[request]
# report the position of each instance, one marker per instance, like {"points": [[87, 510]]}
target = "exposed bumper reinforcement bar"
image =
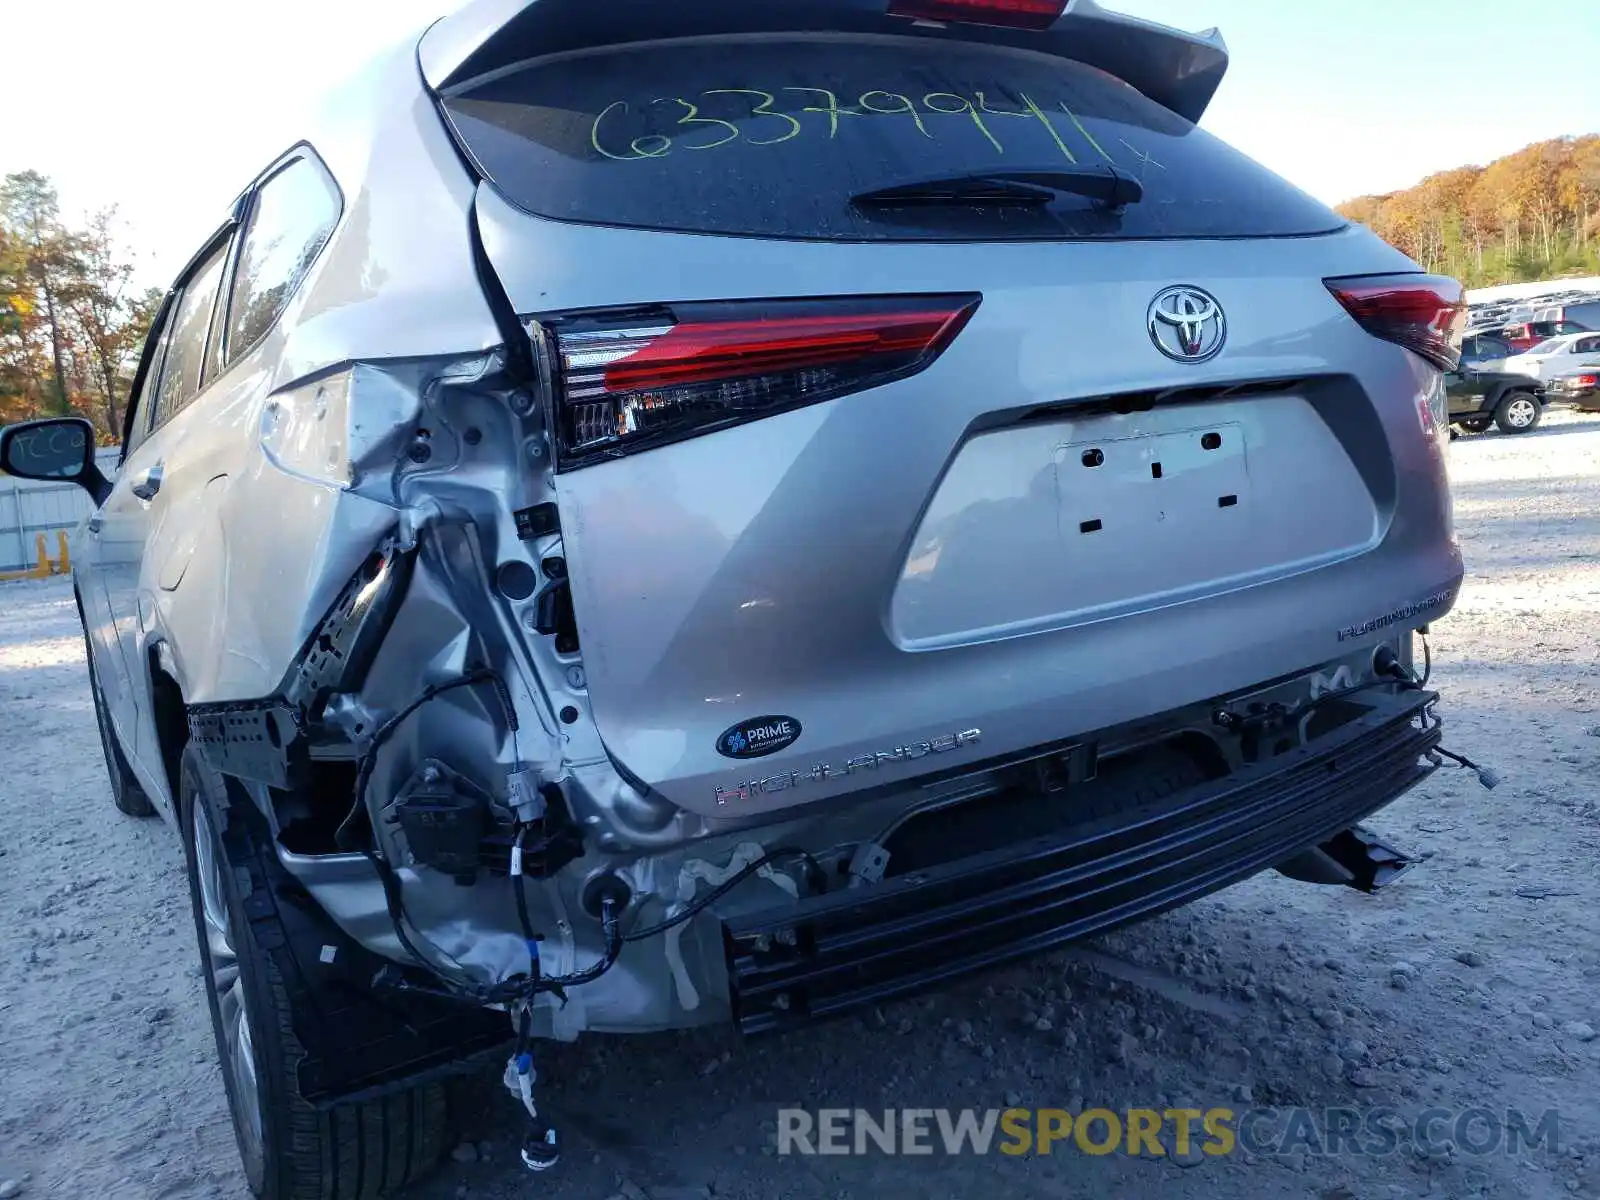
{"points": [[794, 963]]}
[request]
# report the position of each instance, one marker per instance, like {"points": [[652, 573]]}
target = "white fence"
{"points": [[30, 507]]}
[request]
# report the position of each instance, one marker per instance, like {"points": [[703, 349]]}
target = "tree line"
{"points": [[71, 322], [1528, 216]]}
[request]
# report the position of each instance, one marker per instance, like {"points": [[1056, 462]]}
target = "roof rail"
{"points": [[1180, 71]]}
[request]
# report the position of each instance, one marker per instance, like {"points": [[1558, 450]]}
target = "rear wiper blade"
{"points": [[1010, 187]]}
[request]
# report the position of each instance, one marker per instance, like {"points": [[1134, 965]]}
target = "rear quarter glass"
{"points": [[770, 136]]}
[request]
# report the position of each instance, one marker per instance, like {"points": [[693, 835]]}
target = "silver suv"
{"points": [[658, 514]]}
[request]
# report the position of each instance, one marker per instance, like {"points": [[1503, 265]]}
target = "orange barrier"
{"points": [[45, 566]]}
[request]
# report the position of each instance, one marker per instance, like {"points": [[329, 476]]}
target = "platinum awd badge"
{"points": [[825, 772]]}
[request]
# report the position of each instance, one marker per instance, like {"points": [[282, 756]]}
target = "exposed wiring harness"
{"points": [[520, 990], [1427, 661], [1389, 672], [382, 733], [523, 990], [1487, 776], [392, 895], [536, 981], [815, 876]]}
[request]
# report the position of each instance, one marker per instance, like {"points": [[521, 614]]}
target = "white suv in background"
{"points": [[1555, 357]]}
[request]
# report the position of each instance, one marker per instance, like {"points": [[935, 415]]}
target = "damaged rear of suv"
{"points": [[667, 514]]}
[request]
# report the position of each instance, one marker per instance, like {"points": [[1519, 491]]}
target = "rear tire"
{"points": [[126, 793], [1477, 424], [290, 1150], [1519, 412]]}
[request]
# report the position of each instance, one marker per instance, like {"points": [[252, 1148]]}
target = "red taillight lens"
{"points": [[631, 382], [1018, 14], [1585, 381], [1423, 313]]}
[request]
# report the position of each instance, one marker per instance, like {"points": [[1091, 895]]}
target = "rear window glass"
{"points": [[772, 136]]}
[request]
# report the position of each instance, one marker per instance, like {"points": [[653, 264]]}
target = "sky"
{"points": [[168, 108]]}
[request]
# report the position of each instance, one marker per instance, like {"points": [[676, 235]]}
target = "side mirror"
{"points": [[56, 449]]}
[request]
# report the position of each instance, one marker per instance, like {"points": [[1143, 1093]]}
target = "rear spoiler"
{"points": [[1180, 71]]}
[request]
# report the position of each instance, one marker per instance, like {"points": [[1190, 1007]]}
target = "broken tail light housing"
{"points": [[631, 381], [1423, 313], [1017, 14]]}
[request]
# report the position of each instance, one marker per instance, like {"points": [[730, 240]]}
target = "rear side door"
{"points": [[140, 499], [111, 669]]}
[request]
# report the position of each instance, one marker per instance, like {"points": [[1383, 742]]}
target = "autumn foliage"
{"points": [[1531, 215], [71, 326]]}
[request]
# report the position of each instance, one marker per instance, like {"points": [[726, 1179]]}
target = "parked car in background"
{"points": [[1581, 389], [1555, 356], [1524, 336], [1479, 399]]}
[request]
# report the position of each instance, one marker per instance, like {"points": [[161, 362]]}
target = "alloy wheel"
{"points": [[1520, 412], [222, 966]]}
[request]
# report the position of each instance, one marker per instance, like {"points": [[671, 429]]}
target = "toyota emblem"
{"points": [[1187, 324]]}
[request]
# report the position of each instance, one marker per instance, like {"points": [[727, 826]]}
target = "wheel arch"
{"points": [[169, 713]]}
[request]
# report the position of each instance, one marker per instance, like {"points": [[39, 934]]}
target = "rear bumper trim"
{"points": [[794, 963]]}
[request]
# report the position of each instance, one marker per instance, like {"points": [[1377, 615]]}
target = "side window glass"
{"points": [[186, 349], [213, 357], [145, 400], [291, 219]]}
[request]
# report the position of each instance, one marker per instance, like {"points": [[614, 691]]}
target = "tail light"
{"points": [[1423, 313], [1019, 14], [632, 381], [1585, 381]]}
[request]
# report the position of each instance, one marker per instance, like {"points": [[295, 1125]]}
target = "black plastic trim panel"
{"points": [[794, 963]]}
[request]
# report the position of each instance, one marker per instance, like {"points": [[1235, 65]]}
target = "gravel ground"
{"points": [[1470, 983]]}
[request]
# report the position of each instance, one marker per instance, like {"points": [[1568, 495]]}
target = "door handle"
{"points": [[148, 483], [95, 522]]}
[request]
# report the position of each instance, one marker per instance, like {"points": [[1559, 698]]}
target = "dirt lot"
{"points": [[1471, 983]]}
